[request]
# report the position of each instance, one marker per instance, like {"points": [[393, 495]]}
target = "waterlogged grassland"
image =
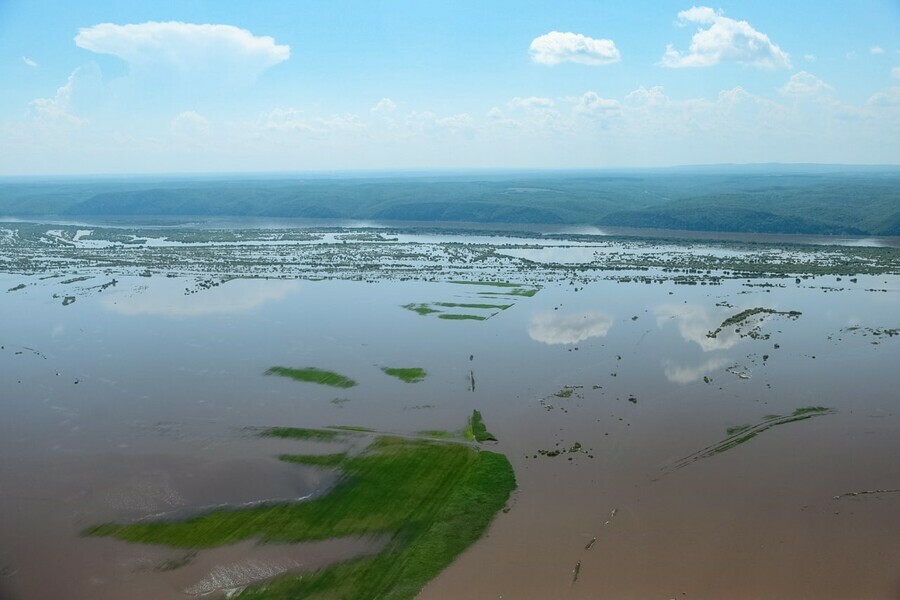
{"points": [[461, 317], [433, 499], [741, 434], [409, 374], [313, 375]]}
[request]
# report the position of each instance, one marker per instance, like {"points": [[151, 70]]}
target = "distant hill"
{"points": [[807, 199]]}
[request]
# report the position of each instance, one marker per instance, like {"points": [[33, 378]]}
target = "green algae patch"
{"points": [[408, 374], [741, 434], [432, 499], [313, 375], [477, 430]]}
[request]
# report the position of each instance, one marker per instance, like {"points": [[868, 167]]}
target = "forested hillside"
{"points": [[861, 201]]}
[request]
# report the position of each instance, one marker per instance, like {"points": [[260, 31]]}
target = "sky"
{"points": [[221, 86]]}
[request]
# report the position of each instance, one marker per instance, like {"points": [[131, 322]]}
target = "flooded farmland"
{"points": [[697, 419]]}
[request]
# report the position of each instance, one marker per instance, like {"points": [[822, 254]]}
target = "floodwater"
{"points": [[138, 401]]}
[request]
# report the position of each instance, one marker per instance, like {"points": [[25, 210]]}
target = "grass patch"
{"points": [[299, 433], [461, 317], [313, 375], [409, 375], [744, 433], [432, 498], [564, 393], [477, 430], [438, 433]]}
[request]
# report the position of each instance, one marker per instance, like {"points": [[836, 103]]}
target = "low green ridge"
{"points": [[313, 375], [300, 433], [461, 317], [477, 430]]}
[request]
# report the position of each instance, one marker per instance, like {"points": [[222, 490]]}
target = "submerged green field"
{"points": [[432, 498]]}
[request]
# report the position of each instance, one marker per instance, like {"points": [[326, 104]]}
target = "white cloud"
{"points": [[724, 40], [887, 98], [876, 50], [553, 328], [809, 57], [384, 106], [532, 103], [591, 103], [189, 124], [60, 106], [31, 63], [456, 122], [895, 72], [292, 119], [804, 84], [647, 97], [188, 48], [556, 47]]}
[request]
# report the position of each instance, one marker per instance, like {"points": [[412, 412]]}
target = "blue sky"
{"points": [[223, 86]]}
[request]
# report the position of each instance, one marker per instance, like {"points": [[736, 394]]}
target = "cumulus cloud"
{"points": [[591, 103], [888, 98], [384, 106], [804, 84], [61, 106], [456, 122], [189, 124], [721, 39], [292, 119], [30, 62], [876, 50], [895, 72], [185, 47], [553, 328], [556, 47], [532, 103], [809, 57]]}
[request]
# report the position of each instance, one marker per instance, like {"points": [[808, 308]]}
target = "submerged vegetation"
{"points": [[431, 498], [740, 434], [741, 317], [313, 375]]}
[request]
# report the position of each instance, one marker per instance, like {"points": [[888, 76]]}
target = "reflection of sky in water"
{"points": [[683, 374], [553, 328], [694, 322], [233, 297]]}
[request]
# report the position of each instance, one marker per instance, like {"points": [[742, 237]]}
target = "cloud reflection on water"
{"points": [[695, 322], [238, 296], [553, 328], [680, 374]]}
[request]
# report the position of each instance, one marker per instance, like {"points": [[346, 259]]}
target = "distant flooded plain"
{"points": [[689, 434]]}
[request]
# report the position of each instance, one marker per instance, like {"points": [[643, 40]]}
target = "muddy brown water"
{"points": [[135, 402]]}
